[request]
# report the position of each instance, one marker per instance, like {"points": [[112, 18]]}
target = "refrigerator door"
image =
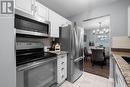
{"points": [[76, 69], [72, 41], [77, 42], [65, 38], [80, 36]]}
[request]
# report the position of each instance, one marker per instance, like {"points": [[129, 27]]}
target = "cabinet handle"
{"points": [[62, 69], [62, 76], [62, 63], [32, 7], [35, 9], [62, 56]]}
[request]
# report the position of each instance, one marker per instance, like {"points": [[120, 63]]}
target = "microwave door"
{"points": [[27, 26]]}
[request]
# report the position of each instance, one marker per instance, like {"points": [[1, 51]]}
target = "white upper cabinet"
{"points": [[65, 22], [56, 22], [41, 11], [33, 7], [129, 21], [54, 18], [25, 5]]}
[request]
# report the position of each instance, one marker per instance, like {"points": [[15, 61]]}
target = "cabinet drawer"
{"points": [[61, 76], [61, 63], [62, 58], [61, 68]]}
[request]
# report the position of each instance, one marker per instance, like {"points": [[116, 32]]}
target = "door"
{"points": [[24, 5]]}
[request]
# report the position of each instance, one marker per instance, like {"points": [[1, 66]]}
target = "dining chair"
{"points": [[98, 57], [86, 53]]}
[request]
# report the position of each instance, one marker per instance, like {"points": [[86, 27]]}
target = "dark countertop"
{"points": [[59, 52]]}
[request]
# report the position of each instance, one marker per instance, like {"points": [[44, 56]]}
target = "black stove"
{"points": [[25, 56]]}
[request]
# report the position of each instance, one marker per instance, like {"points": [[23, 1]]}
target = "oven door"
{"points": [[39, 75]]}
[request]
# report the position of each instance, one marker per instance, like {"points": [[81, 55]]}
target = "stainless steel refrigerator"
{"points": [[71, 39]]}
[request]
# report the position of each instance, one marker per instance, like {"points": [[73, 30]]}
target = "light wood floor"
{"points": [[97, 70], [89, 80]]}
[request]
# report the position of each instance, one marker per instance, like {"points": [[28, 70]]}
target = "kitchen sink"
{"points": [[127, 59]]}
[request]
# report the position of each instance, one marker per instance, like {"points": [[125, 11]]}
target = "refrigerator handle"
{"points": [[78, 59], [71, 42]]}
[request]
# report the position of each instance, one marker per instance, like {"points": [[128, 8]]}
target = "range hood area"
{"points": [[28, 25]]}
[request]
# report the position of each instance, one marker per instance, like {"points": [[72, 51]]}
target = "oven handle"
{"points": [[34, 64]]}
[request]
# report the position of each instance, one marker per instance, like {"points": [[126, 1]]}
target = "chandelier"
{"points": [[101, 32]]}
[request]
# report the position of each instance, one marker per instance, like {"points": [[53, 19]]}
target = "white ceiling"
{"points": [[94, 24], [68, 8]]}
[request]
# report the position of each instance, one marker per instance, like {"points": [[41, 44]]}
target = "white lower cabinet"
{"points": [[119, 79], [61, 68], [129, 21]]}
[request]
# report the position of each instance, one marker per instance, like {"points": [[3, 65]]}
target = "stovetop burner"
{"points": [[31, 55]]}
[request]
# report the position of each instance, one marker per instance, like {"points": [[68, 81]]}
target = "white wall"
{"points": [[118, 12], [7, 58], [7, 55]]}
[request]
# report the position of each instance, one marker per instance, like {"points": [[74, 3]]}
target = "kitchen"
{"points": [[33, 15]]}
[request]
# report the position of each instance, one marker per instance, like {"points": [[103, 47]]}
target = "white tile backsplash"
{"points": [[121, 42], [45, 41]]}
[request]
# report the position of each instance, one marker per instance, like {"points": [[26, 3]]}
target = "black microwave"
{"points": [[28, 25]]}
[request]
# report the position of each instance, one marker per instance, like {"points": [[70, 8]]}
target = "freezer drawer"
{"points": [[76, 69]]}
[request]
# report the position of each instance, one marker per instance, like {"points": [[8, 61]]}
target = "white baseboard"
{"points": [[111, 79], [111, 82]]}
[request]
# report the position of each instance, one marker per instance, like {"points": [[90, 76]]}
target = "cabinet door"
{"points": [[24, 5], [65, 66], [55, 24], [65, 22], [119, 79], [41, 12], [129, 21], [61, 68]]}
